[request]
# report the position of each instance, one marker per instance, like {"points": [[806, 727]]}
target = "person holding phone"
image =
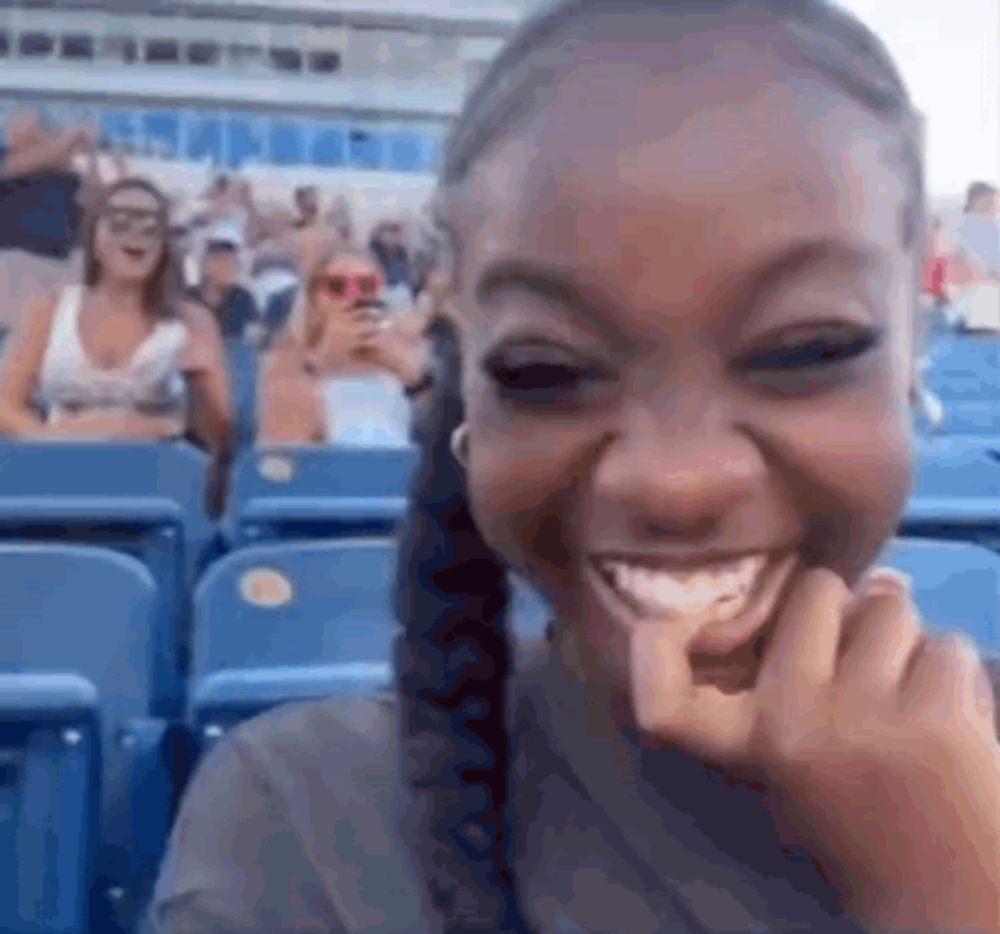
{"points": [[343, 369], [687, 242]]}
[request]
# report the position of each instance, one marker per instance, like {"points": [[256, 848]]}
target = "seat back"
{"points": [[145, 500], [104, 469], [83, 610], [958, 467], [296, 603], [316, 491], [956, 493], [956, 586], [976, 417], [89, 613], [49, 773]]}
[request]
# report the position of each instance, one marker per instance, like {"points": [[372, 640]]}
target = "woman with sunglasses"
{"points": [[339, 342], [122, 355]]}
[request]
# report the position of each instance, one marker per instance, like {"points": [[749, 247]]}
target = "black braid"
{"points": [[452, 668], [454, 653]]}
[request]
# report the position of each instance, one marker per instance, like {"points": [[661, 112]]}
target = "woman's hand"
{"points": [[876, 744], [344, 335], [397, 350]]}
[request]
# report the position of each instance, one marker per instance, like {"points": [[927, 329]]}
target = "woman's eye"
{"points": [[817, 352], [538, 382]]}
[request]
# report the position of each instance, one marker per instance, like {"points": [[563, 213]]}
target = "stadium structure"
{"points": [[354, 94]]}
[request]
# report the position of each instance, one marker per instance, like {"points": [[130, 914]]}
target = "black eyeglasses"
{"points": [[139, 222]]}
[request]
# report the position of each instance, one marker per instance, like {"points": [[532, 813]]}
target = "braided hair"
{"points": [[453, 656]]}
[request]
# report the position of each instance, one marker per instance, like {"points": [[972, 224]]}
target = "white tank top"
{"points": [[152, 382]]}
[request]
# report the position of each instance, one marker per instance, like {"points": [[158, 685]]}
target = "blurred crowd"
{"points": [[132, 313], [961, 283], [961, 279]]}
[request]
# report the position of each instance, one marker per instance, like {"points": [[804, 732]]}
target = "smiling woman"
{"points": [[117, 356], [686, 241]]}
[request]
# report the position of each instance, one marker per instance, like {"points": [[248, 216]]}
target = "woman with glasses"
{"points": [[122, 355], [342, 371]]}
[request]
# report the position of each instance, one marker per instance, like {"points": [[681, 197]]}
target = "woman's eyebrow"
{"points": [[558, 288], [822, 254]]}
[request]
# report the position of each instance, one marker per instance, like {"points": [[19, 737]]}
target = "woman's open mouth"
{"points": [[135, 252], [719, 604]]}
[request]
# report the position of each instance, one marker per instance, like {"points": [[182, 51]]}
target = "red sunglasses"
{"points": [[353, 287]]}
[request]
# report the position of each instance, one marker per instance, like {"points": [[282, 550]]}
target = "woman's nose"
{"points": [[677, 481]]}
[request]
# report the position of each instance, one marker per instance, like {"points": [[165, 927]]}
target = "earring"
{"points": [[460, 444]]}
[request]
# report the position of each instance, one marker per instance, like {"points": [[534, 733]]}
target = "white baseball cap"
{"points": [[225, 233]]}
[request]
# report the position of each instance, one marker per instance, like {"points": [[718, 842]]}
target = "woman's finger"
{"points": [[668, 704], [885, 630], [944, 683], [801, 659]]}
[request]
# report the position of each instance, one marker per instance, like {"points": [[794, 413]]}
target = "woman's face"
{"points": [[687, 355], [344, 283], [130, 236]]}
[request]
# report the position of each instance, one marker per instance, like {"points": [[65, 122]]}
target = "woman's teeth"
{"points": [[724, 589]]}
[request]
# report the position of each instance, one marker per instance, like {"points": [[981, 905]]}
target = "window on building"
{"points": [[242, 56], [162, 52], [324, 61], [77, 46], [120, 48], [203, 53], [286, 59], [4, 43], [35, 44]]}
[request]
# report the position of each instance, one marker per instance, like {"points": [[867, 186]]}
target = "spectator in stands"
{"points": [[341, 219], [307, 207], [232, 306], [388, 244], [120, 355], [686, 422], [935, 281], [42, 194], [979, 232], [338, 334], [229, 200], [979, 247]]}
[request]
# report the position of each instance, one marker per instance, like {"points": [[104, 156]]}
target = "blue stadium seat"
{"points": [[87, 614], [288, 621], [974, 385], [957, 354], [980, 418], [146, 500], [956, 493], [328, 147], [317, 492], [956, 586], [49, 793]]}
